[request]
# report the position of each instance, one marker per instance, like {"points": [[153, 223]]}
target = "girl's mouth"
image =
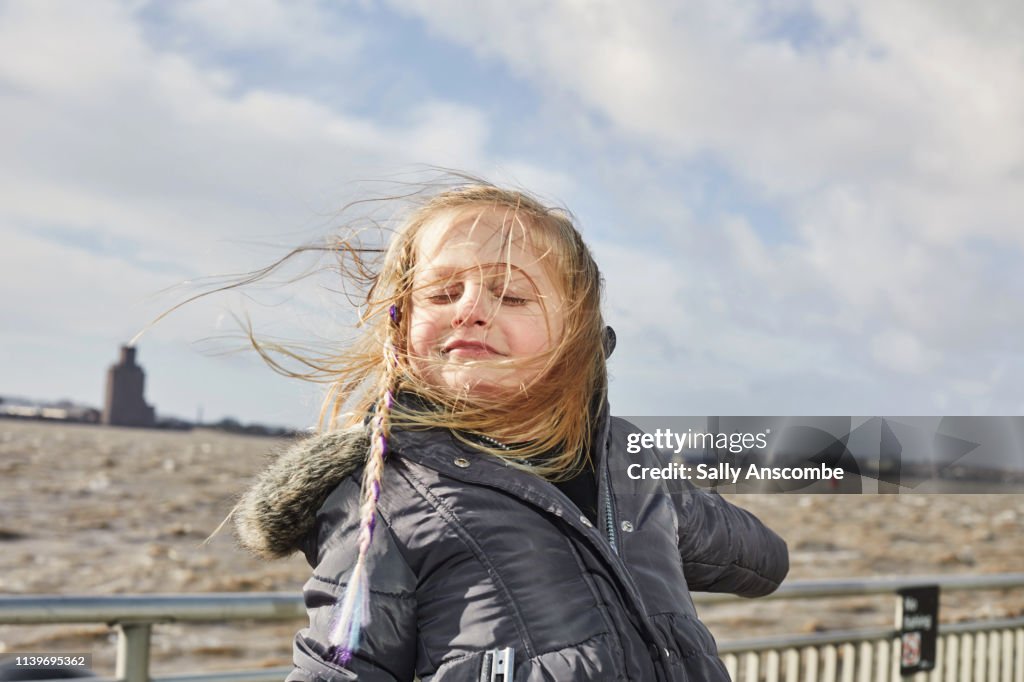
{"points": [[469, 349]]}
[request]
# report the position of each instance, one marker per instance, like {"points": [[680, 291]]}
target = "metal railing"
{"points": [[990, 651], [981, 651], [978, 651], [133, 616]]}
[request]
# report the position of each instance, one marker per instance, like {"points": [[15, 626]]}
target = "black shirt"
{"points": [[582, 489]]}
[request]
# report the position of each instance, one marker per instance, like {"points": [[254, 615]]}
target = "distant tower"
{"points": [[124, 404]]}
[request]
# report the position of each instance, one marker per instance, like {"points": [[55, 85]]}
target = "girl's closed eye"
{"points": [[444, 296], [511, 294], [452, 294], [511, 299]]}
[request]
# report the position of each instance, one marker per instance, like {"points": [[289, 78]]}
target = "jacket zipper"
{"points": [[609, 513], [498, 665]]}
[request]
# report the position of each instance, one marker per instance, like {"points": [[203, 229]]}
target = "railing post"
{"points": [[731, 663], [952, 657], [849, 662], [133, 652]]}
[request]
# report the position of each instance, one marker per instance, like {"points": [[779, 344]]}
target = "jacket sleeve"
{"points": [[725, 548], [388, 642]]}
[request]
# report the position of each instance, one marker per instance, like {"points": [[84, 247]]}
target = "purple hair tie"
{"points": [[393, 312]]}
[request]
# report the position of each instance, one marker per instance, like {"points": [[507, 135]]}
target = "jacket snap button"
{"points": [[586, 522], [461, 462], [627, 526]]}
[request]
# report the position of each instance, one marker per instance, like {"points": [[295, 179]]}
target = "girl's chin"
{"points": [[479, 382], [482, 380]]}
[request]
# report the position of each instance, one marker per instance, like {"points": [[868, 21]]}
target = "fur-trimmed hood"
{"points": [[274, 516]]}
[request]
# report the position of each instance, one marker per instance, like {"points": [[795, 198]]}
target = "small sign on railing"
{"points": [[917, 618]]}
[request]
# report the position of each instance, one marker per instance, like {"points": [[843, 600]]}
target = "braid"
{"points": [[351, 611]]}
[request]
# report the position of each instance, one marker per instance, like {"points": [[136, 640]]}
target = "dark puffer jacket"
{"points": [[475, 560]]}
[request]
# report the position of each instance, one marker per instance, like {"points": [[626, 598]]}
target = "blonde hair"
{"points": [[551, 416]]}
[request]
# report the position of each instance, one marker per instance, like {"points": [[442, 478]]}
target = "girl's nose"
{"points": [[472, 308]]}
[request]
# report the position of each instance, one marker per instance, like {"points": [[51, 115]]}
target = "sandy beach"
{"points": [[100, 510]]}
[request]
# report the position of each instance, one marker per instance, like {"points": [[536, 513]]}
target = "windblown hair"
{"points": [[543, 425], [551, 414]]}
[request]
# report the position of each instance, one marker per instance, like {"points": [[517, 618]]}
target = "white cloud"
{"points": [[65, 288], [902, 352], [750, 251], [299, 29], [908, 85], [109, 133], [887, 134], [68, 49], [139, 154]]}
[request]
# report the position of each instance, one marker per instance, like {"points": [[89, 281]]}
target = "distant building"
{"points": [[125, 404]]}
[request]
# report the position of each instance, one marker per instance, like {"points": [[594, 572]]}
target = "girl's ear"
{"points": [[608, 342]]}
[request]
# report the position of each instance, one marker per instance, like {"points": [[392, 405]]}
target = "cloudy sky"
{"points": [[800, 207]]}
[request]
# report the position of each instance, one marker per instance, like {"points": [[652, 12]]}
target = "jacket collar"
{"points": [[275, 516]]}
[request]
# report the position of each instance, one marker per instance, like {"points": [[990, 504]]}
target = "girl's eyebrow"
{"points": [[516, 276], [438, 272]]}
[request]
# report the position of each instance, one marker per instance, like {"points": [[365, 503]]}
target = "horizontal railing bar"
{"points": [[88, 679], [980, 626], [852, 587], [123, 608], [266, 675], [35, 609], [780, 642], [263, 675]]}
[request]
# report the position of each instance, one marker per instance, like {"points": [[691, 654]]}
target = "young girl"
{"points": [[468, 519]]}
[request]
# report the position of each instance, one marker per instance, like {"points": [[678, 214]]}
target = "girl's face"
{"points": [[485, 309]]}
